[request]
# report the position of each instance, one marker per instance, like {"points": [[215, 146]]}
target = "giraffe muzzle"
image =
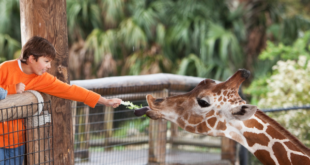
{"points": [[141, 111]]}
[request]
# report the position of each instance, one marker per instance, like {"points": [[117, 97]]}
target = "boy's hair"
{"points": [[38, 47]]}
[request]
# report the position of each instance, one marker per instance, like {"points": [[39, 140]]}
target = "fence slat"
{"points": [[229, 150], [174, 134], [108, 126], [83, 131], [157, 135]]}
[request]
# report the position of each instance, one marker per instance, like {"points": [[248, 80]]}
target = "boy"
{"points": [[30, 73]]}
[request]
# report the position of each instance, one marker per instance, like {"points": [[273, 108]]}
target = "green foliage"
{"points": [[193, 64], [101, 43], [8, 47], [216, 32], [130, 105], [10, 18], [301, 47], [289, 86], [82, 17], [141, 125], [151, 63], [9, 29], [132, 35], [114, 11]]}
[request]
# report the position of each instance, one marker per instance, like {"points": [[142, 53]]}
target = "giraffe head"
{"points": [[207, 108]]}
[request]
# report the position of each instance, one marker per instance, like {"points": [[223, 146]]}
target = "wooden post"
{"points": [[228, 150], [108, 126], [174, 134], [74, 107], [38, 144], [48, 19], [83, 137], [37, 136], [157, 136]]}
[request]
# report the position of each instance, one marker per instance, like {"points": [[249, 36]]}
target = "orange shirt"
{"points": [[12, 132]]}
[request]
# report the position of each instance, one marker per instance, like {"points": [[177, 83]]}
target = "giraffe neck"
{"points": [[270, 142]]}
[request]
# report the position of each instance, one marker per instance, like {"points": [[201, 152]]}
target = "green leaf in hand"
{"points": [[130, 105]]}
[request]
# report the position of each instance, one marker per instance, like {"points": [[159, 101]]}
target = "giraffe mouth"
{"points": [[149, 112], [141, 111], [153, 114]]}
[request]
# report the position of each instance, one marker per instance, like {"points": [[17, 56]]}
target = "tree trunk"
{"points": [[48, 19]]}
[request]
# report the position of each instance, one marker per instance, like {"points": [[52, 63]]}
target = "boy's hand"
{"points": [[20, 88], [115, 102]]}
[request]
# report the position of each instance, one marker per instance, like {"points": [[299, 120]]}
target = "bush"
{"points": [[301, 47], [289, 86]]}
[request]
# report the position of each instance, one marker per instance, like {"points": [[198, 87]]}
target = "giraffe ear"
{"points": [[243, 112]]}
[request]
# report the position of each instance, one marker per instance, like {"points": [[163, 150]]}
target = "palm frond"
{"points": [[113, 11], [101, 43], [83, 17], [132, 35], [8, 47]]}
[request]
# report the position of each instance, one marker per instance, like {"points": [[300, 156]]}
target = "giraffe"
{"points": [[216, 109]]}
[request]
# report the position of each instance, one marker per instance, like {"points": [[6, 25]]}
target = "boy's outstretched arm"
{"points": [[115, 102]]}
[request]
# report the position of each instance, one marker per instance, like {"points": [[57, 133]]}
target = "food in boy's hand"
{"points": [[139, 110]]}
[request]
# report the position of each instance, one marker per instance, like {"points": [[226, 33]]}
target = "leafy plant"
{"points": [[130, 105], [272, 54], [300, 47], [289, 86], [8, 47]]}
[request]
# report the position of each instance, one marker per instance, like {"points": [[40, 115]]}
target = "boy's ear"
{"points": [[31, 58]]}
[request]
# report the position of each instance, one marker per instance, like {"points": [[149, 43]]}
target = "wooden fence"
{"points": [[133, 88], [34, 112], [129, 88]]}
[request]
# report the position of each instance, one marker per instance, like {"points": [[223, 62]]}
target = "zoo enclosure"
{"points": [[152, 145], [40, 140], [91, 133]]}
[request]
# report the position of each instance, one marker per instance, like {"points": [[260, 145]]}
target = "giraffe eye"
{"points": [[203, 103]]}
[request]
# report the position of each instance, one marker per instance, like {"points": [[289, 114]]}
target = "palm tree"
{"points": [[198, 38], [205, 30]]}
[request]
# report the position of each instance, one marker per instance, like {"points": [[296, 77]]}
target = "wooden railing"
{"points": [[38, 128], [136, 88]]}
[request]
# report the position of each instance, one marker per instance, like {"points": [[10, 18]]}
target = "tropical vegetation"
{"points": [[198, 38], [204, 38]]}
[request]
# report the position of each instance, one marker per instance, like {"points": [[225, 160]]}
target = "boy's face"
{"points": [[41, 66]]}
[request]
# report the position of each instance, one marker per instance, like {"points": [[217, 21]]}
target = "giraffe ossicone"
{"points": [[216, 109]]}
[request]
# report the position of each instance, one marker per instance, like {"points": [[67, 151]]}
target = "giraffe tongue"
{"points": [[141, 111]]}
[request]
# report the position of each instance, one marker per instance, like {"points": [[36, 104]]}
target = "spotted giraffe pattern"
{"points": [[216, 109]]}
